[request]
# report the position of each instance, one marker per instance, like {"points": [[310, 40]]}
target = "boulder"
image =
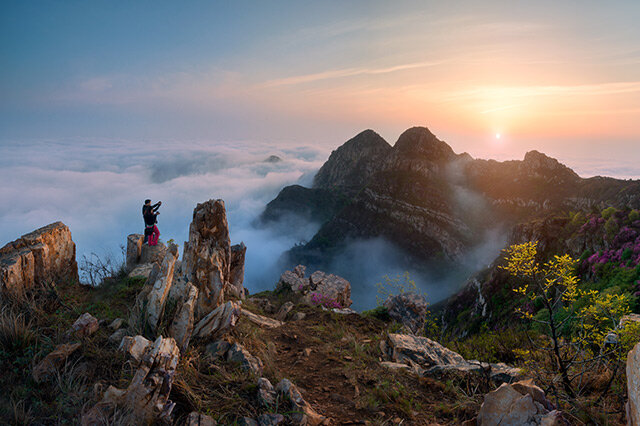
{"points": [[158, 295], [139, 254], [521, 403], [206, 260], [409, 309], [142, 270], [237, 354], [270, 419], [236, 270], [182, 323], [218, 349], [332, 287], [135, 347], [297, 403], [147, 396], [116, 324], [219, 322], [293, 280], [53, 361], [134, 250], [261, 320], [633, 386], [85, 326], [199, 419], [42, 256], [117, 336]]}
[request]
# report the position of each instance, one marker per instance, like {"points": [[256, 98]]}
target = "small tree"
{"points": [[579, 339]]}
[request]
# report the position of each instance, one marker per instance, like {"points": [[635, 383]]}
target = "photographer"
{"points": [[150, 215]]}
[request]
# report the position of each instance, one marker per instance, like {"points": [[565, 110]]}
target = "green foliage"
{"points": [[611, 227], [577, 220], [608, 212], [634, 215], [401, 283], [379, 312]]}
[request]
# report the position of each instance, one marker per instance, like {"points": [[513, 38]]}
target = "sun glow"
{"points": [[498, 135]]}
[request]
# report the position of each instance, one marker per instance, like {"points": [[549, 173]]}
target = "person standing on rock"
{"points": [[150, 215]]}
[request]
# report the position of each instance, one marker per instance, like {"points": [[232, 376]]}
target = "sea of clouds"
{"points": [[97, 188]]}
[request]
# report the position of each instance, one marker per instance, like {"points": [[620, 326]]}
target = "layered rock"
{"points": [[219, 322], [140, 257], [236, 270], [157, 297], [42, 256], [84, 326], [633, 386], [304, 413], [147, 396], [48, 367]]}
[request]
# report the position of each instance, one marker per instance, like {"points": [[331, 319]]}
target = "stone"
{"points": [[134, 251], [142, 271], [332, 287], [247, 421], [153, 254], [409, 309], [284, 311], [344, 311], [236, 270], [267, 395], [218, 349], [147, 396], [264, 304], [182, 325], [199, 419], [85, 326], [117, 336], [297, 402], [135, 347], [395, 365], [421, 350], [633, 386], [293, 280], [206, 258], [270, 419], [38, 258], [116, 324], [521, 403], [299, 316], [239, 355], [219, 322], [46, 368], [261, 320], [158, 295]]}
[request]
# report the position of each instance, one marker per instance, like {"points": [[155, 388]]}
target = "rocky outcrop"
{"points": [[261, 320], [235, 354], [157, 297], [409, 309], [42, 256], [521, 403], [424, 356], [633, 386], [319, 288], [46, 368], [135, 347], [183, 321], [199, 419], [142, 256], [206, 261], [147, 396]]}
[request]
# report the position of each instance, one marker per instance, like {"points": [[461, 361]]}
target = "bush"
{"points": [[608, 212], [634, 215]]}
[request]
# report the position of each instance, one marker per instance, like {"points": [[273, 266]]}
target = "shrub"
{"points": [[611, 227], [16, 333], [634, 215], [608, 212]]}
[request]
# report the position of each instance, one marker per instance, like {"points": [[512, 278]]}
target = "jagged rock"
{"points": [[395, 365], [633, 386], [158, 295], [134, 250], [207, 255], [199, 419], [267, 395], [54, 360], [236, 270], [261, 320], [143, 270], [182, 324], [42, 256], [516, 405], [284, 311], [218, 322], [421, 350], [332, 287], [116, 324], [297, 403], [247, 421], [409, 309], [344, 311], [263, 304], [299, 316], [147, 396], [270, 419], [239, 355], [134, 346], [218, 349], [117, 336], [85, 326], [141, 255], [293, 280]]}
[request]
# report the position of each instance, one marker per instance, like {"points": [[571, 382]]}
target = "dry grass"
{"points": [[16, 332]]}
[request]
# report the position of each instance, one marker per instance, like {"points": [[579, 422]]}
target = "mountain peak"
{"points": [[421, 142], [538, 162]]}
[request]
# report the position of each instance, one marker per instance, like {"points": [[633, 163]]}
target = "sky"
{"points": [[560, 77]]}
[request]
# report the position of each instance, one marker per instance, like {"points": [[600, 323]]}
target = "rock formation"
{"points": [[319, 288], [46, 368], [140, 257], [633, 386], [409, 309], [236, 270], [42, 256]]}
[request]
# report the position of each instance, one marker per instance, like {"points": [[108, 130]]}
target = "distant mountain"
{"points": [[432, 203]]}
